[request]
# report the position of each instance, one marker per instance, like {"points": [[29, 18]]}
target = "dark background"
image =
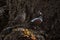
{"points": [[49, 8]]}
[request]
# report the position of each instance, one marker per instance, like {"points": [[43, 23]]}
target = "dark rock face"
{"points": [[50, 12]]}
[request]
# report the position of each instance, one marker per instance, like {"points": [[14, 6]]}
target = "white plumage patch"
{"points": [[39, 18]]}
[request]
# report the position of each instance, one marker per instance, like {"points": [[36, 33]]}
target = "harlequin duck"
{"points": [[37, 21]]}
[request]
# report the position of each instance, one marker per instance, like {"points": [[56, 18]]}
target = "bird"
{"points": [[37, 21]]}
